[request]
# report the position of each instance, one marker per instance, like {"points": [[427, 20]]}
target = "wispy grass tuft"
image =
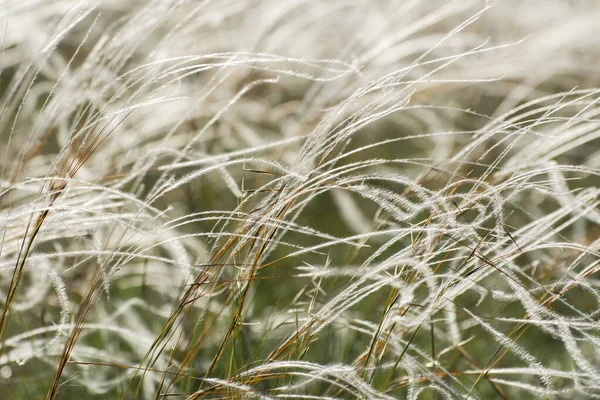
{"points": [[299, 199]]}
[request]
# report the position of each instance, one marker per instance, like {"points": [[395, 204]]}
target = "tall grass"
{"points": [[299, 199]]}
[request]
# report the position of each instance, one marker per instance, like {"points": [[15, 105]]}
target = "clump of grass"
{"points": [[316, 200]]}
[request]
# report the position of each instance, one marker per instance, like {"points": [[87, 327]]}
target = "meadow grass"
{"points": [[353, 199]]}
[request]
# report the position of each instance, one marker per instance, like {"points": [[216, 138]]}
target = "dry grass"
{"points": [[299, 199]]}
